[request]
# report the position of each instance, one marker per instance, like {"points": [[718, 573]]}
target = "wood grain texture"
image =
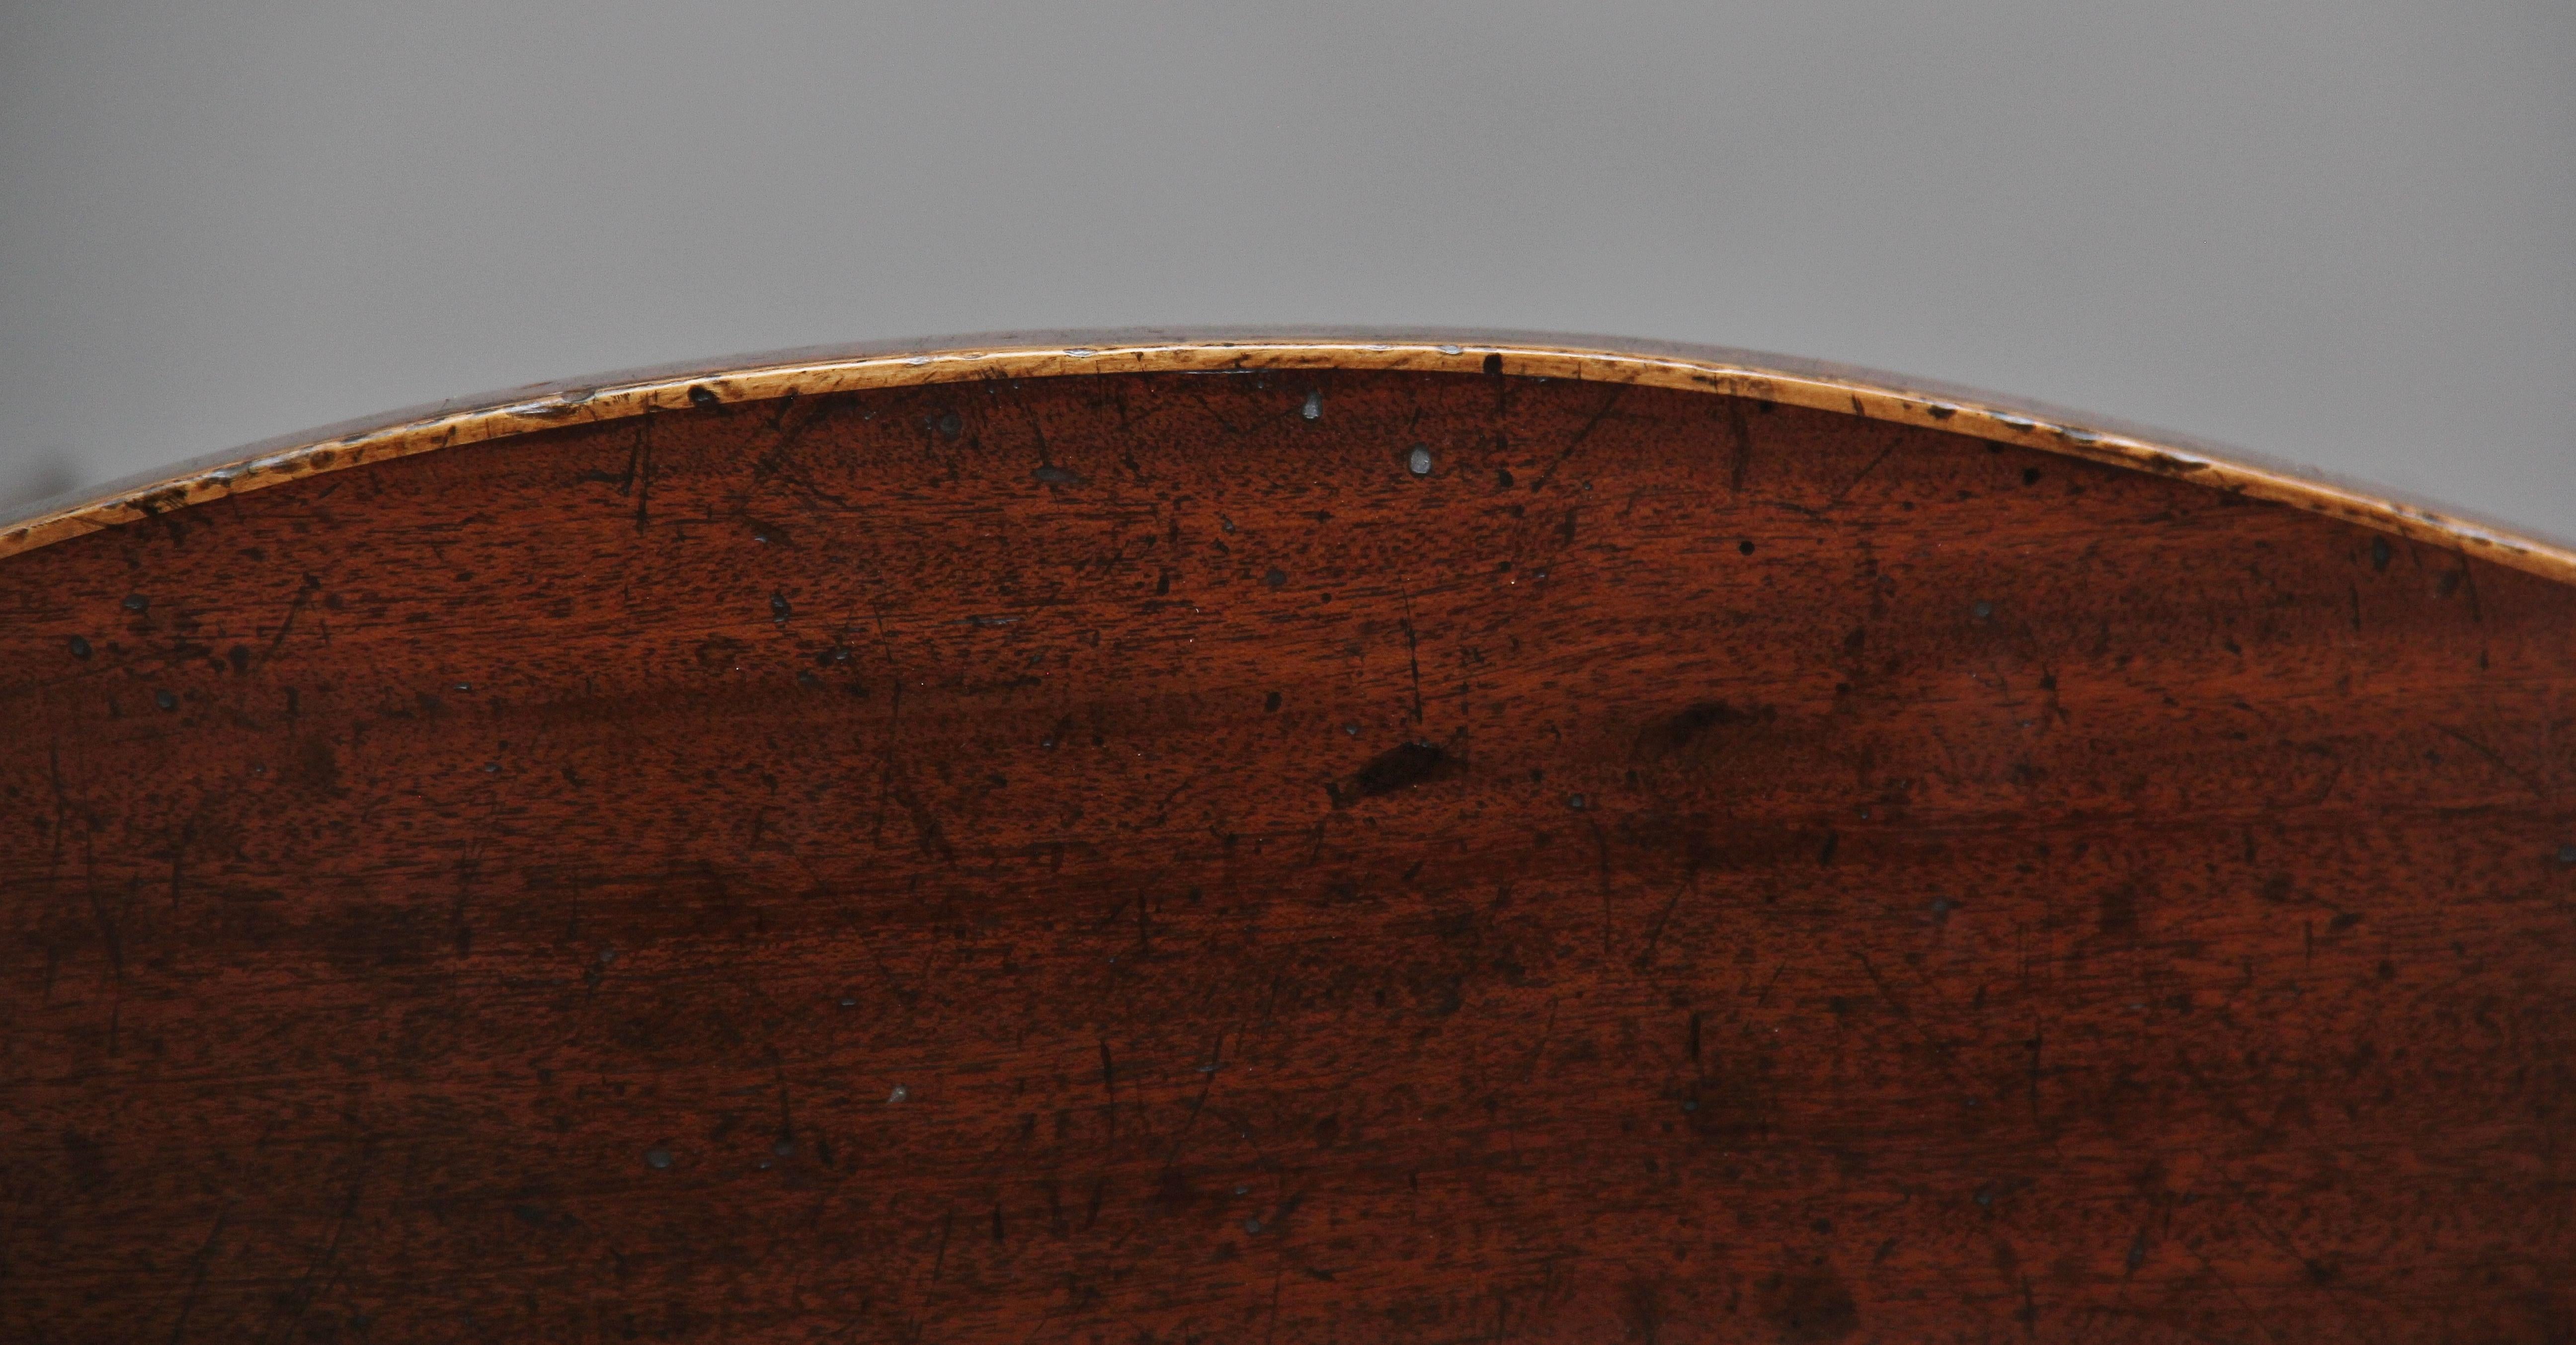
{"points": [[1125, 857]]}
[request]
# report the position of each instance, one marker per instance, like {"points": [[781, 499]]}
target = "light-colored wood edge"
{"points": [[1783, 380]]}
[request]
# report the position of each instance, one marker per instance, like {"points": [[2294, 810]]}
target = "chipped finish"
{"points": [[1737, 373], [1122, 858]]}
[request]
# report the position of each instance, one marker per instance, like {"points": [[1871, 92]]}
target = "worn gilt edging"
{"points": [[618, 399]]}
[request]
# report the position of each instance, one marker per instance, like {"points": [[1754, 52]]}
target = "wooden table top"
{"points": [[1292, 838]]}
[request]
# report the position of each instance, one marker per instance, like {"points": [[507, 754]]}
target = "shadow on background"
{"points": [[2331, 231], [35, 477]]}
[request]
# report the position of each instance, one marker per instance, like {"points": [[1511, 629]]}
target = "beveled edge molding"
{"points": [[1770, 378]]}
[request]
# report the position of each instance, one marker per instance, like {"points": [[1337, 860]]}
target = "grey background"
{"points": [[2341, 232]]}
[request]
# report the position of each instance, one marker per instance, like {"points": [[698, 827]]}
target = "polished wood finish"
{"points": [[1756, 375], [1128, 856]]}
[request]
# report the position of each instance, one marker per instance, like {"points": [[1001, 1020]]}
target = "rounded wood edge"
{"points": [[1850, 392]]}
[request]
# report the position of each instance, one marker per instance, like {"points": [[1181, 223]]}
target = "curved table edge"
{"points": [[817, 370]]}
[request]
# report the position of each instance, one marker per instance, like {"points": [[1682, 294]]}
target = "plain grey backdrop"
{"points": [[2340, 232]]}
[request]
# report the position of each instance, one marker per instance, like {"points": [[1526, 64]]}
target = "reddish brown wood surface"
{"points": [[1127, 859]]}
